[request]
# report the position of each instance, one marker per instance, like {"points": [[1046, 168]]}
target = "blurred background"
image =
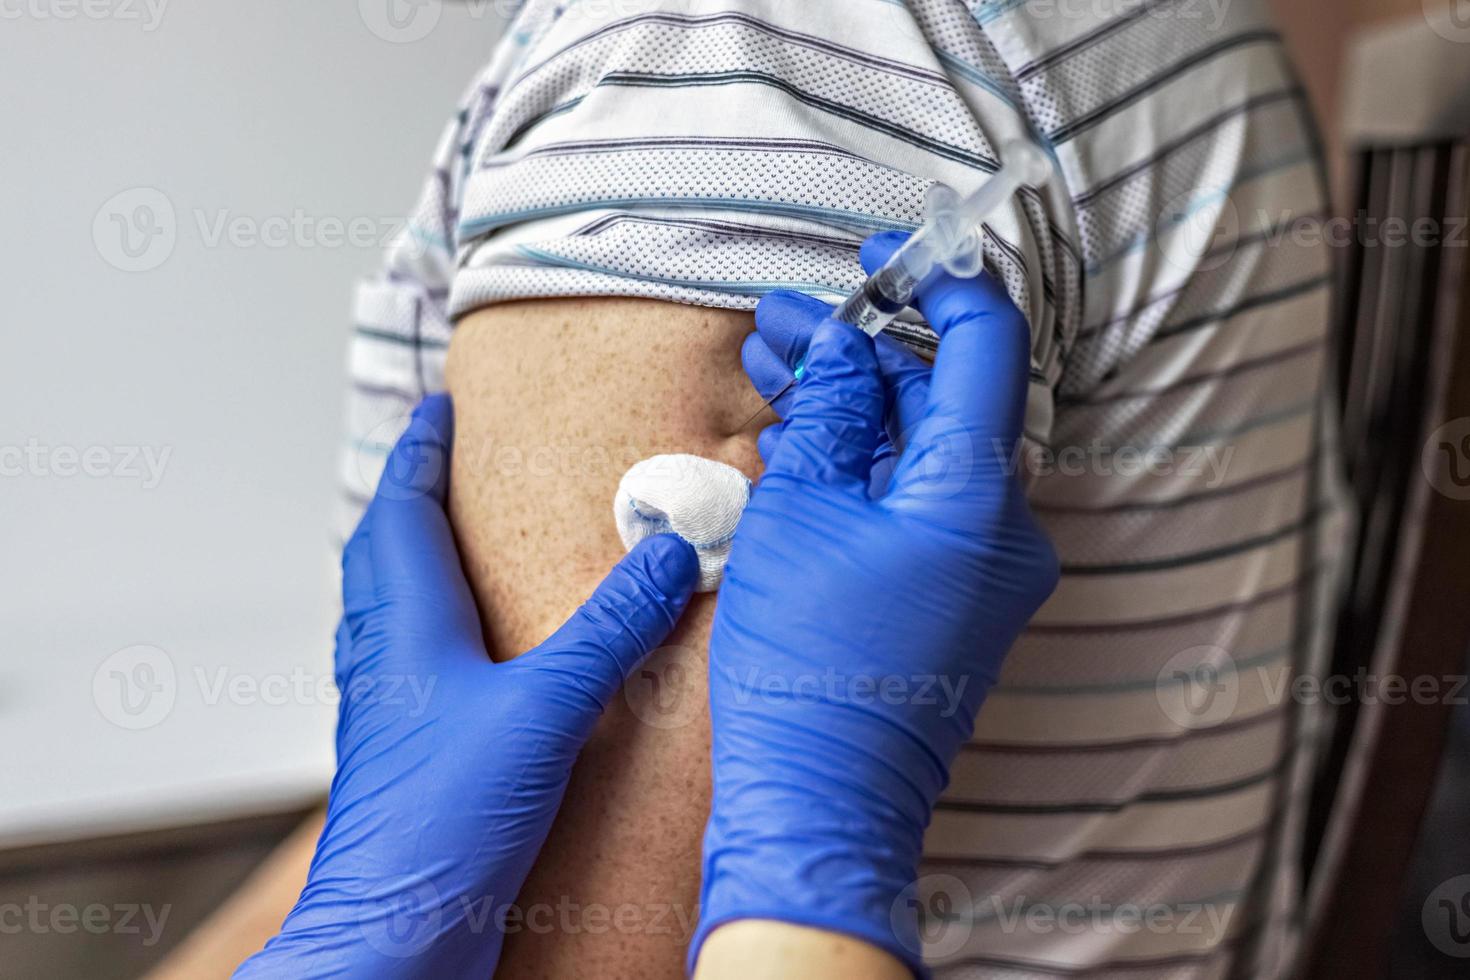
{"points": [[190, 190], [171, 403]]}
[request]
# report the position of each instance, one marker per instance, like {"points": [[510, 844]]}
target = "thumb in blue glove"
{"points": [[450, 767]]}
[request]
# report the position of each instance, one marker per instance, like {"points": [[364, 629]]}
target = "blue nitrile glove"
{"points": [[785, 322], [450, 768], [858, 631]]}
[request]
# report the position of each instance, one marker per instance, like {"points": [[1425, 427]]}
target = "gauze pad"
{"points": [[696, 498]]}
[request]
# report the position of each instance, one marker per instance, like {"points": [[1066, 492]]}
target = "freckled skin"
{"points": [[554, 400]]}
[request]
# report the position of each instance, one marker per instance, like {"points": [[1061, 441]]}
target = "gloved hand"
{"points": [[450, 768], [859, 629], [785, 322]]}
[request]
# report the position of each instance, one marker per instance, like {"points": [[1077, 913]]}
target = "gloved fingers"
{"points": [[983, 370], [905, 376], [885, 462], [359, 600], [879, 248], [343, 661], [786, 320], [415, 563], [768, 440], [836, 419], [905, 373], [981, 310], [906, 380], [357, 573], [418, 465], [961, 454], [885, 457], [767, 372], [630, 615]]}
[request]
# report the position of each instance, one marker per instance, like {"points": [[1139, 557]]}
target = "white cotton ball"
{"points": [[698, 499]]}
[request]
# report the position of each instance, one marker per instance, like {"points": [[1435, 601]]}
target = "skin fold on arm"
{"points": [[554, 400]]}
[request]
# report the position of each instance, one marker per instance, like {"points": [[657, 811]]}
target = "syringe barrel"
{"points": [[887, 292], [949, 236]]}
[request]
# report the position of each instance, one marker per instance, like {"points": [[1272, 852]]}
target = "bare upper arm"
{"points": [[554, 400]]}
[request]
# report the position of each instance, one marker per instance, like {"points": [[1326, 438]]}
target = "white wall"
{"points": [[226, 356]]}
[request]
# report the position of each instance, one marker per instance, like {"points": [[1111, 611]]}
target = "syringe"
{"points": [[952, 238]]}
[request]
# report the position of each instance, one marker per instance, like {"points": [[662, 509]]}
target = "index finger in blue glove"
{"points": [[415, 563], [630, 615], [768, 374], [836, 420], [768, 440], [785, 320]]}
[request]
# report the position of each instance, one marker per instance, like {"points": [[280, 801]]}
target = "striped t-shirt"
{"points": [[1131, 802]]}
